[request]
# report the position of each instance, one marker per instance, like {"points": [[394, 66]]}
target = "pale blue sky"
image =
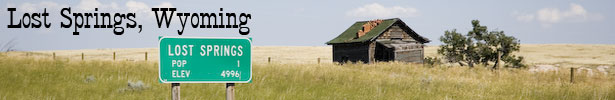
{"points": [[312, 22]]}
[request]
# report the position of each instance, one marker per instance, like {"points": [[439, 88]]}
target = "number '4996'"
{"points": [[230, 73]]}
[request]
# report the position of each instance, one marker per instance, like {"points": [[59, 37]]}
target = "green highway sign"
{"points": [[205, 60]]}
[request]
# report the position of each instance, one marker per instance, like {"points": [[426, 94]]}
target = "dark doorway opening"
{"points": [[383, 53]]}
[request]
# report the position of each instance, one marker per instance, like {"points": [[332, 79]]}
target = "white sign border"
{"points": [[160, 65]]}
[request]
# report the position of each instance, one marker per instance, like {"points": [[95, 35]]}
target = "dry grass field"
{"points": [[278, 54], [564, 54], [295, 74], [571, 54]]}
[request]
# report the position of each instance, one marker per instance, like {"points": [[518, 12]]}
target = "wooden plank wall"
{"points": [[354, 51], [395, 32]]}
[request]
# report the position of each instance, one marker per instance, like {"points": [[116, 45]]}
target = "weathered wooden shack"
{"points": [[378, 40]]}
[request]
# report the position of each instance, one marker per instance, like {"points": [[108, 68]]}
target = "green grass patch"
{"points": [[26, 78]]}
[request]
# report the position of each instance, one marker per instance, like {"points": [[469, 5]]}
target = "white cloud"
{"points": [[137, 7], [114, 5], [33, 7], [548, 16], [380, 11], [164, 5], [141, 8], [89, 4]]}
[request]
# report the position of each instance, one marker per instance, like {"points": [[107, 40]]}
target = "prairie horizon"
{"points": [[294, 73], [572, 54]]}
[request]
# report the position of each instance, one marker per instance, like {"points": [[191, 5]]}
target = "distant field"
{"points": [[294, 74], [570, 54], [279, 54]]}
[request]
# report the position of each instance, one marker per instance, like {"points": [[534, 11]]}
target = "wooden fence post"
{"points": [[54, 55], [230, 91], [113, 55], [268, 59], [82, 56], [175, 91], [145, 56], [318, 60], [571, 74]]}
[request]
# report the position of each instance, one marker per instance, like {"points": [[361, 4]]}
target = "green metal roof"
{"points": [[349, 36]]}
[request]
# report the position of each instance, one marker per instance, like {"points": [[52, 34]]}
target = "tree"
{"points": [[455, 45], [480, 46]]}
